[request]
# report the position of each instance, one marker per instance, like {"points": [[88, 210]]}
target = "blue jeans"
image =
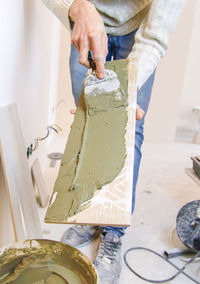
{"points": [[119, 47]]}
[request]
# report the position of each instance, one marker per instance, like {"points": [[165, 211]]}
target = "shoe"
{"points": [[79, 236], [108, 261]]}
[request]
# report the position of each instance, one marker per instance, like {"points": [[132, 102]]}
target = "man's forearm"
{"points": [[88, 32]]}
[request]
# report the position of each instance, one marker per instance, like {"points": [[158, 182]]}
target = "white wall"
{"points": [[191, 86], [64, 97], [176, 89], [26, 52]]}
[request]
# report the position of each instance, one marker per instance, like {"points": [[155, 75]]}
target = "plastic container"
{"points": [[45, 261]]}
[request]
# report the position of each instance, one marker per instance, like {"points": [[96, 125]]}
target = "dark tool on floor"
{"points": [[188, 230], [196, 165], [188, 225]]}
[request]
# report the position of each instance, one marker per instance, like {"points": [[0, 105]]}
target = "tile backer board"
{"points": [[8, 232], [111, 205], [16, 179]]}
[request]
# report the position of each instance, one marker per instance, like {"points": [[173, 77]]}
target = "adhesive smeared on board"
{"points": [[95, 151]]}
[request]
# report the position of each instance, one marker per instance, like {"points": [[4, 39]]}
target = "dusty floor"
{"points": [[163, 188]]}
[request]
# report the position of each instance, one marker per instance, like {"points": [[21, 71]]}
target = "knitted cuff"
{"points": [[68, 3]]}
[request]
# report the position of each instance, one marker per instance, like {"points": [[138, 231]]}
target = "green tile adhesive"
{"points": [[95, 150], [45, 262]]}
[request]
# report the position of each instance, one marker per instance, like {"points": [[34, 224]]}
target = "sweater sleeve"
{"points": [[152, 37], [60, 8]]}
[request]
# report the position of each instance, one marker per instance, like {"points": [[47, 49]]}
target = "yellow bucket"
{"points": [[45, 261]]}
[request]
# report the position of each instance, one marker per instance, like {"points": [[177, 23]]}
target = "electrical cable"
{"points": [[180, 270], [34, 146], [54, 127]]}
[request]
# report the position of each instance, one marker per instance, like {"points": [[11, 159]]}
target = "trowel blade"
{"points": [[103, 94]]}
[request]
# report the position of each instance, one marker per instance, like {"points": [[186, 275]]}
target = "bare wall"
{"points": [[171, 98], [26, 41]]}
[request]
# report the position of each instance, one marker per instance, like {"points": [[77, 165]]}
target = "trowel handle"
{"points": [[91, 61]]}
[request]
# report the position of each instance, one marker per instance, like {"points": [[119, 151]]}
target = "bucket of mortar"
{"points": [[45, 262]]}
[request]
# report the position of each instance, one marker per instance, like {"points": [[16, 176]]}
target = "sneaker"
{"points": [[79, 236], [108, 261]]}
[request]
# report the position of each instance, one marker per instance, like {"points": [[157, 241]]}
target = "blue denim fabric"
{"points": [[119, 47]]}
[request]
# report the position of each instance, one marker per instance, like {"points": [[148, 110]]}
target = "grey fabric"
{"points": [[122, 17]]}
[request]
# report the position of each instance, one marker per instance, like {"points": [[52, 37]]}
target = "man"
{"points": [[116, 29]]}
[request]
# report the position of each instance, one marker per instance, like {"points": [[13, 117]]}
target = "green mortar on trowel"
{"points": [[95, 150], [45, 262]]}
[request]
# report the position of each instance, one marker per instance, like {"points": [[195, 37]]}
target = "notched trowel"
{"points": [[103, 94]]}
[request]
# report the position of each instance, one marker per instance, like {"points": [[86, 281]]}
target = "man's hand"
{"points": [[139, 113], [89, 34]]}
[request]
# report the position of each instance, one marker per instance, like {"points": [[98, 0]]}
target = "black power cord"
{"points": [[180, 270]]}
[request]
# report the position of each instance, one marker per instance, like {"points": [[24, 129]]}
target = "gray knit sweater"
{"points": [[155, 19], [122, 17]]}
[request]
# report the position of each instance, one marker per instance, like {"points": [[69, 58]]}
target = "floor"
{"points": [[163, 188]]}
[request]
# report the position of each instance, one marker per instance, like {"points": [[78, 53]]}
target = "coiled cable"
{"points": [[180, 270]]}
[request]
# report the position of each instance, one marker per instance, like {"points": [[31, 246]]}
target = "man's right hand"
{"points": [[89, 34]]}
